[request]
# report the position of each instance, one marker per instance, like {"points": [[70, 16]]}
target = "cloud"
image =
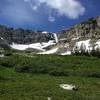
{"points": [[68, 8], [17, 12], [35, 8], [51, 19], [26, 0], [38, 12]]}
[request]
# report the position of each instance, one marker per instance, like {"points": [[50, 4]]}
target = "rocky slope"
{"points": [[87, 29], [85, 35]]}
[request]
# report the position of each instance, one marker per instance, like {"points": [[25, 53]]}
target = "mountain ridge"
{"points": [[64, 41]]}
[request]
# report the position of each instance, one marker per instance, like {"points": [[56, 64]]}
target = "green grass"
{"points": [[54, 65], [33, 78]]}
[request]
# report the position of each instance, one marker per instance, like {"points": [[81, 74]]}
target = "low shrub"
{"points": [[7, 63], [58, 73], [23, 68]]}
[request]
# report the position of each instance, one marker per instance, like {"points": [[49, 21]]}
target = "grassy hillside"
{"points": [[37, 77]]}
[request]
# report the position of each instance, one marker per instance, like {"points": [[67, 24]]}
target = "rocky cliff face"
{"points": [[21, 36], [87, 29]]}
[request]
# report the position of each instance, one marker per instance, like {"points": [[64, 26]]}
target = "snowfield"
{"points": [[24, 46], [86, 44], [38, 46]]}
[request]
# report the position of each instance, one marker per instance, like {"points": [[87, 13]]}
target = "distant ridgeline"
{"points": [[84, 36], [21, 37]]}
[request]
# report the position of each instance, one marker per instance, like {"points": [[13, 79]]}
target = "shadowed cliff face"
{"points": [[21, 36]]}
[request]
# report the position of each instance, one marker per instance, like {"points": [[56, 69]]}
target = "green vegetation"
{"points": [[25, 77], [92, 21]]}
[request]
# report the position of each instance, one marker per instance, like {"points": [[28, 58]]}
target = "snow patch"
{"points": [[67, 86], [66, 53], [49, 98], [97, 44], [46, 44], [63, 39], [44, 32], [56, 38], [52, 51], [86, 43], [2, 55], [75, 38], [1, 38]]}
